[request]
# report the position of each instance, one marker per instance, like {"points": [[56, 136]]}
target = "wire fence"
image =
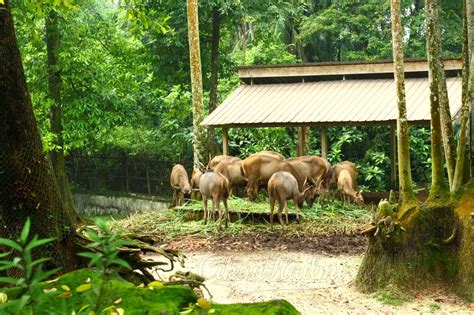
{"points": [[121, 174]]}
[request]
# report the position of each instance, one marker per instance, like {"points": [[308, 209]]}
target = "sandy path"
{"points": [[313, 283]]}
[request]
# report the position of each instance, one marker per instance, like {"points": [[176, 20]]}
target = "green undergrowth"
{"points": [[331, 217], [392, 296], [64, 296]]}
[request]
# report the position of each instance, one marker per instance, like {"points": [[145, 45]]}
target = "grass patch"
{"points": [[392, 296], [332, 217], [434, 307]]}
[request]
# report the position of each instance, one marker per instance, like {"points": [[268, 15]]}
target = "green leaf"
{"points": [[9, 280], [40, 261], [25, 231], [10, 243], [36, 243]]}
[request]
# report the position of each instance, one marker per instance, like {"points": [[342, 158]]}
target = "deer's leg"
{"points": [[272, 207], [226, 214], [213, 208], [295, 201], [281, 205], [218, 203], [286, 212], [204, 201]]}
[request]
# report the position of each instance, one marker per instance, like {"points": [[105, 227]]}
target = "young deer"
{"points": [[282, 186], [216, 186]]}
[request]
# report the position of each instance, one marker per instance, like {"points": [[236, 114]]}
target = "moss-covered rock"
{"points": [[62, 297]]}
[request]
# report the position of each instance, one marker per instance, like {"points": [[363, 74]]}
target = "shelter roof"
{"points": [[330, 94]]}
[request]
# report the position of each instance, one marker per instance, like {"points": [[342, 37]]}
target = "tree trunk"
{"points": [[462, 148], [439, 187], [216, 23], [470, 36], [28, 187], [412, 248], [404, 169], [434, 41], [199, 138], [53, 40]]}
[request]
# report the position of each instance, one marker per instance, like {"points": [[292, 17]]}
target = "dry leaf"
{"points": [[65, 295]]}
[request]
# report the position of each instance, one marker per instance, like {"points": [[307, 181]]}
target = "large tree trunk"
{"points": [[404, 169], [216, 24], [411, 248], [199, 138], [463, 149], [435, 54], [439, 188], [28, 187], [53, 40], [470, 28]]}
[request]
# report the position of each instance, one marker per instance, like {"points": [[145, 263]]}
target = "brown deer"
{"points": [[216, 186], [180, 183], [220, 158], [195, 177], [274, 154], [231, 169], [282, 186], [259, 168], [345, 176]]}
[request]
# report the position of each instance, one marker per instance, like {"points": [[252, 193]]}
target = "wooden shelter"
{"points": [[330, 94]]}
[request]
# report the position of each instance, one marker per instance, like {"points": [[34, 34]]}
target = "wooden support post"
{"points": [[148, 183], [300, 151], [324, 142], [225, 141], [393, 155], [127, 179]]}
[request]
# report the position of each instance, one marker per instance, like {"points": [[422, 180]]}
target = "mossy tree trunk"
{"points": [[28, 186], [53, 41], [423, 244], [216, 25], [462, 152], [199, 135], [439, 188], [404, 170], [470, 36]]}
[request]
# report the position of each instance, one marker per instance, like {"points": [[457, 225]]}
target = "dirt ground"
{"points": [[314, 273], [314, 283]]}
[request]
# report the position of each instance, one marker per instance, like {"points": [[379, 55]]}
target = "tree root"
{"points": [[133, 252], [451, 238], [386, 223]]}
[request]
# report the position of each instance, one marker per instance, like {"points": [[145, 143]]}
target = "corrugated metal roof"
{"points": [[327, 102]]}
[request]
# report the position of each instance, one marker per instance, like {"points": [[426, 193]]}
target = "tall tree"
{"points": [[216, 25], [470, 32], [439, 187], [199, 139], [28, 187], [462, 152], [53, 41], [435, 50], [404, 170]]}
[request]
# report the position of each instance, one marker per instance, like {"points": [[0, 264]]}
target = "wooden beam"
{"points": [[300, 141], [225, 141], [332, 68], [393, 155], [314, 124], [324, 142]]}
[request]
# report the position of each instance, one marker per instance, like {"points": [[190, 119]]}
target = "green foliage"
{"points": [[30, 270], [125, 71], [104, 258]]}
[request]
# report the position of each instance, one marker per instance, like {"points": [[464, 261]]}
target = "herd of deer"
{"points": [[301, 179]]}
